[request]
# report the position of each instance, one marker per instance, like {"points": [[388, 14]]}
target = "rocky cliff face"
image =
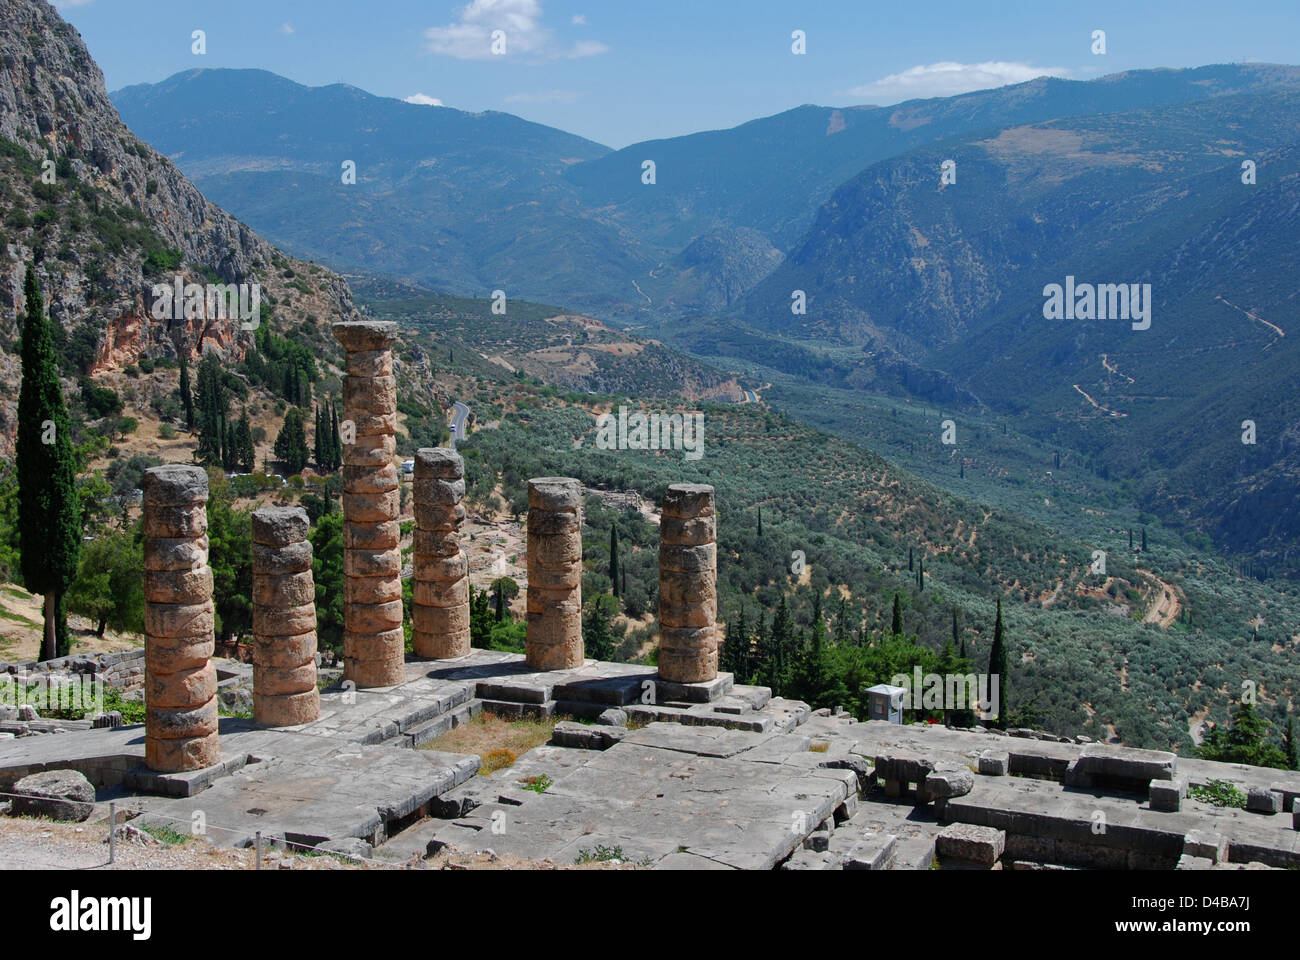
{"points": [[106, 219]]}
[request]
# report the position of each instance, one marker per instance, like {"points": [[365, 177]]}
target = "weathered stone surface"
{"points": [[370, 477], [180, 683], [286, 711], [370, 363], [366, 337], [451, 593], [372, 563], [57, 794], [291, 558], [440, 569], [175, 485], [689, 500], [993, 763], [169, 724], [555, 494], [385, 645], [284, 651], [284, 621], [583, 737], [277, 681], [374, 673], [612, 717], [554, 599], [438, 493], [353, 848], [286, 589], [371, 507], [385, 535], [373, 395], [440, 620], [371, 590], [178, 586], [688, 600], [180, 522], [1263, 800], [175, 553], [186, 689], [970, 843], [439, 463], [280, 526], [949, 780], [1167, 795], [175, 756], [374, 617], [439, 517]]}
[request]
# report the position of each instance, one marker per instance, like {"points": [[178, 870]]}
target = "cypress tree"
{"points": [[920, 574], [1290, 745], [998, 668], [760, 523], [49, 510], [211, 411], [613, 559], [291, 444], [957, 638], [842, 623], [1144, 539], [336, 445], [910, 567], [318, 444], [896, 628]]}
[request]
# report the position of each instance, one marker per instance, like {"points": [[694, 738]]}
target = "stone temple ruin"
{"points": [[676, 765]]}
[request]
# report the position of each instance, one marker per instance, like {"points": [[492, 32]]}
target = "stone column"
{"points": [[284, 619], [372, 563], [554, 638], [440, 592], [688, 585], [180, 681]]}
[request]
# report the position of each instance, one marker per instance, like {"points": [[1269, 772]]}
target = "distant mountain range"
{"points": [[912, 286]]}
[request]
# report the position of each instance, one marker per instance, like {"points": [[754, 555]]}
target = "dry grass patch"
{"points": [[498, 741]]}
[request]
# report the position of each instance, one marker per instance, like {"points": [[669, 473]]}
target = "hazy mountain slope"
{"points": [[952, 277], [117, 219], [469, 203]]}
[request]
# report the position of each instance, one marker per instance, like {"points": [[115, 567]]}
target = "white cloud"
{"points": [[579, 20], [68, 4], [543, 96], [470, 37], [286, 28], [424, 100], [947, 79]]}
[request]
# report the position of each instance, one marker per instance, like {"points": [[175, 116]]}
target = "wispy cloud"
{"points": [[948, 78], [68, 4], [579, 20], [286, 28], [543, 96], [424, 100], [470, 37]]}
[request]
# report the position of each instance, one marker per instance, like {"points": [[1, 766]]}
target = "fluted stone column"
{"points": [[554, 637], [372, 563], [180, 680], [440, 594], [688, 585], [284, 619]]}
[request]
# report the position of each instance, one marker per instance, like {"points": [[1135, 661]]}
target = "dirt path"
{"points": [[1113, 413], [1258, 319], [1165, 610]]}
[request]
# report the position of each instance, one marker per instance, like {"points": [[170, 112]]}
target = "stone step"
{"points": [[422, 733], [509, 708]]}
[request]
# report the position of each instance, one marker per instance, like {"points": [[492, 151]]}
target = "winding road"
{"points": [[458, 418]]}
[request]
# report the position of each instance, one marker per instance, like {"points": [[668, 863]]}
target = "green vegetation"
{"points": [[49, 510], [1219, 793]]}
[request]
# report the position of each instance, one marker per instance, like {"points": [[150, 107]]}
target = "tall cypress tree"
{"points": [[998, 668], [760, 523], [896, 628], [49, 510], [613, 559], [211, 411]]}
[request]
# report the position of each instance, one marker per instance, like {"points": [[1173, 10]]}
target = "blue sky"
{"points": [[619, 71]]}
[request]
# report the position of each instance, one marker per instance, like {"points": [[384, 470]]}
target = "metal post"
{"points": [[259, 850], [112, 831]]}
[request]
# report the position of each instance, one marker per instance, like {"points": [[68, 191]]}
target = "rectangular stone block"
{"points": [[968, 843], [1167, 795], [993, 763]]}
